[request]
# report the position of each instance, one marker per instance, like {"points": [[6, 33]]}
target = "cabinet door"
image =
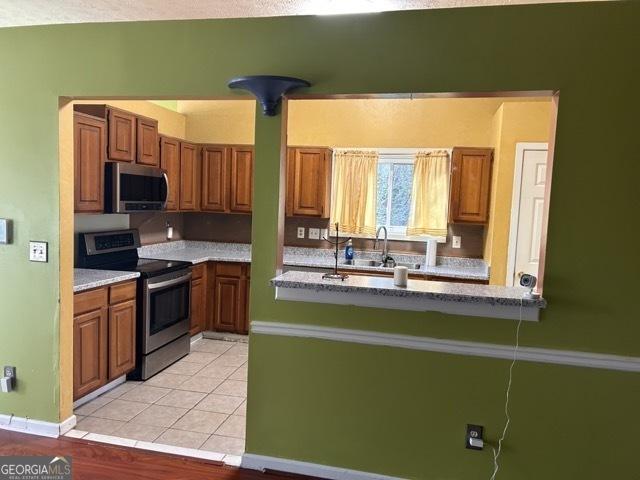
{"points": [[147, 137], [241, 179], [198, 306], [89, 351], [89, 150], [170, 163], [215, 179], [122, 135], [122, 338], [189, 177], [309, 179], [470, 185], [229, 303]]}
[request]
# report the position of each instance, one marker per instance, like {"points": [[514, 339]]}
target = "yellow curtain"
{"points": [[354, 191], [429, 194]]}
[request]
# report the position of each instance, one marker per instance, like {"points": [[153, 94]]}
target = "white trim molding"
{"points": [[36, 427], [262, 463], [96, 393], [457, 347]]}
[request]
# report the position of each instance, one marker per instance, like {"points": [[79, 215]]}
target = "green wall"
{"points": [[392, 411]]}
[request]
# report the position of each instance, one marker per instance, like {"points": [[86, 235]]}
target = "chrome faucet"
{"points": [[387, 261]]}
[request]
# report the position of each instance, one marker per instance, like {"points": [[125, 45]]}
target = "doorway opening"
{"points": [[156, 211]]}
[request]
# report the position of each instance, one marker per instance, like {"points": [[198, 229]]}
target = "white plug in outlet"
{"points": [[324, 233], [314, 233], [38, 252], [456, 242], [300, 232]]}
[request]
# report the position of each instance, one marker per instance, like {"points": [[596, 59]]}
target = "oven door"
{"points": [[166, 309]]}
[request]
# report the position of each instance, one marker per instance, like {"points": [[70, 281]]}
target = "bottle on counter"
{"points": [[348, 250]]}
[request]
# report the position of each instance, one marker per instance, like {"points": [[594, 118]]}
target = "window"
{"points": [[395, 178]]}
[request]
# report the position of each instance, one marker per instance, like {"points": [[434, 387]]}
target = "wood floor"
{"points": [[96, 461]]}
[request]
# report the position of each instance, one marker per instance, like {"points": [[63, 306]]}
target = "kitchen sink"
{"points": [[358, 262]]}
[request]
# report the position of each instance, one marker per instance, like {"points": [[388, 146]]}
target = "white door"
{"points": [[526, 210]]}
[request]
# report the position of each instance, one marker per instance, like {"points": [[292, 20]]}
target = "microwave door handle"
{"points": [[166, 182], [169, 283]]}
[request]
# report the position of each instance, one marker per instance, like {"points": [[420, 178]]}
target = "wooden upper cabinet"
{"points": [[189, 177], [308, 182], [147, 142], [122, 335], [122, 135], [215, 184], [89, 151], [241, 193], [470, 185], [170, 163]]}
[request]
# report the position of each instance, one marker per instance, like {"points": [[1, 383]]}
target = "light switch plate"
{"points": [[38, 252], [314, 233], [456, 241], [300, 232], [5, 231]]}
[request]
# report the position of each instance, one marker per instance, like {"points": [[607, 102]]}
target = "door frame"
{"points": [[521, 147]]}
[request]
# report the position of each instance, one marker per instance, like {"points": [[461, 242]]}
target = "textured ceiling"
{"points": [[46, 12]]}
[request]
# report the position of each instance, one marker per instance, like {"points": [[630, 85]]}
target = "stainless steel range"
{"points": [[163, 301]]}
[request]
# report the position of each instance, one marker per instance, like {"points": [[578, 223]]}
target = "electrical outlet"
{"points": [[8, 381], [474, 437], [324, 233], [314, 233], [39, 252], [300, 232], [456, 241]]}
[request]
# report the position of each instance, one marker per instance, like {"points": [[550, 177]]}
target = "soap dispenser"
{"points": [[348, 250]]}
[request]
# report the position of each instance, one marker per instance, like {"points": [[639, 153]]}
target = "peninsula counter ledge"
{"points": [[419, 295]]}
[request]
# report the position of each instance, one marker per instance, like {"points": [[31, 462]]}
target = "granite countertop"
{"points": [[423, 289], [86, 279], [198, 252]]}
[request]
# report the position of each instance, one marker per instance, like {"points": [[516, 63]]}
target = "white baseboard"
{"points": [[96, 393], [262, 462], [36, 427]]}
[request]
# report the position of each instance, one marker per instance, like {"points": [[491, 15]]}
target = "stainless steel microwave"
{"points": [[134, 188]]}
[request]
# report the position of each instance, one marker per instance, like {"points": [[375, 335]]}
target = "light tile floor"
{"points": [[196, 404]]}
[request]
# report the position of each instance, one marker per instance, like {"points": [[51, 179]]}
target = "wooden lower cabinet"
{"points": [[104, 336], [122, 335], [198, 299], [230, 298], [89, 351]]}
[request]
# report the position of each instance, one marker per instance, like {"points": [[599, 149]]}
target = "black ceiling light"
{"points": [[268, 89]]}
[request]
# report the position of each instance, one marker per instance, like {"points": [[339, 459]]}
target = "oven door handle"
{"points": [[169, 283]]}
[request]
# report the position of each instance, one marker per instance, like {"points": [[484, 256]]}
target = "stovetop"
{"points": [[118, 250]]}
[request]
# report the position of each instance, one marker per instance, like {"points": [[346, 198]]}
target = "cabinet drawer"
{"points": [[122, 292], [88, 301], [197, 271], [229, 269]]}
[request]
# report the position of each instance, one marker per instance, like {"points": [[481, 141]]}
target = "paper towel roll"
{"points": [[432, 248], [400, 276]]}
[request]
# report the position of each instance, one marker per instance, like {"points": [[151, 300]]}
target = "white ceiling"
{"points": [[46, 12]]}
